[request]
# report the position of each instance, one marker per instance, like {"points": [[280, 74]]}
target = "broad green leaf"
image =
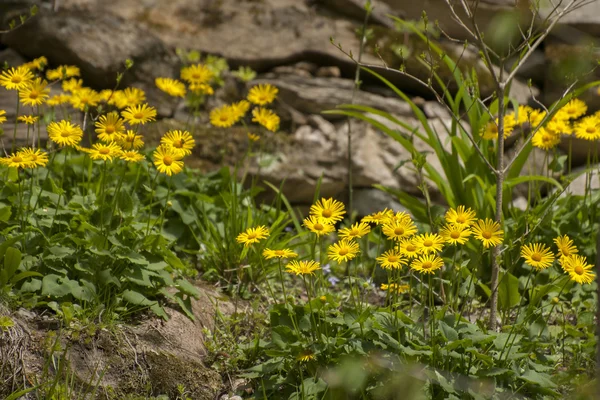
{"points": [[508, 291]]}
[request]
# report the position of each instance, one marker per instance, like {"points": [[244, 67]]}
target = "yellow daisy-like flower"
{"points": [[197, 74], [141, 114], [253, 137], [58, 100], [427, 263], [202, 88], [181, 142], [455, 234], [253, 235], [356, 231], [408, 248], [572, 110], [558, 127], [462, 216], [131, 141], [15, 160], [588, 128], [129, 97], [306, 355], [380, 217], [262, 94], [64, 133], [2, 116], [318, 225], [37, 63], [391, 259], [266, 118], [107, 95], [16, 78], [523, 114], [579, 270], [394, 287], [399, 229], [282, 253], [344, 250], [240, 109], [64, 71], [84, 98], [105, 152], [490, 131], [566, 248], [537, 255], [72, 85], [302, 267], [330, 210], [545, 140], [28, 119], [34, 93], [131, 156], [172, 87], [167, 161], [401, 216], [223, 117], [110, 127], [34, 157], [429, 243], [488, 232]]}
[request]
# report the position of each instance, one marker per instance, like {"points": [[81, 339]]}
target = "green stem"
{"points": [[14, 141], [151, 200]]}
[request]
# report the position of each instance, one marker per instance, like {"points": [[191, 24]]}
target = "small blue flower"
{"points": [[333, 280], [326, 269]]}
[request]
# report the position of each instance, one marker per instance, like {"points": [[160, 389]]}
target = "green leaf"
{"points": [[5, 213], [136, 298], [448, 332], [186, 287], [537, 378], [508, 291], [186, 305], [125, 202]]}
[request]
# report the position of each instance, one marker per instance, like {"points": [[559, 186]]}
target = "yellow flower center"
{"points": [[426, 265], [109, 129], [104, 151], [33, 95], [427, 243], [279, 253], [65, 134], [486, 234], [196, 76], [590, 129], [178, 143], [566, 252], [318, 227], [537, 257], [252, 235], [138, 115], [399, 231], [578, 270], [354, 232], [571, 110], [461, 219], [16, 79], [411, 247], [223, 117], [455, 235], [168, 160], [17, 159], [343, 252], [393, 259], [327, 213], [33, 157]]}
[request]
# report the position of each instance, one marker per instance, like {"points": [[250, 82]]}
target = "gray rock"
{"points": [[578, 186], [579, 149], [368, 200], [329, 72]]}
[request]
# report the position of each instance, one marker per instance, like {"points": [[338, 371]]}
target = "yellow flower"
{"points": [[399, 229], [380, 217], [253, 235], [34, 157], [107, 95], [34, 93], [16, 160], [579, 270], [303, 267], [201, 88], [488, 232], [283, 253], [545, 140], [172, 87], [394, 287], [427, 263], [429, 243], [131, 141], [345, 250], [566, 248], [262, 94], [16, 78], [523, 114], [356, 231], [84, 97], [266, 118], [110, 127], [391, 259], [588, 128], [537, 255], [223, 117], [408, 248], [131, 156], [306, 356], [38, 63], [490, 131], [58, 100], [462, 216], [105, 152], [240, 109], [167, 161], [572, 110], [64, 133], [197, 74], [400, 216], [129, 97], [252, 137], [72, 85], [28, 119], [2, 116], [318, 225], [558, 127], [181, 142], [455, 234], [64, 71], [139, 114], [330, 210]]}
